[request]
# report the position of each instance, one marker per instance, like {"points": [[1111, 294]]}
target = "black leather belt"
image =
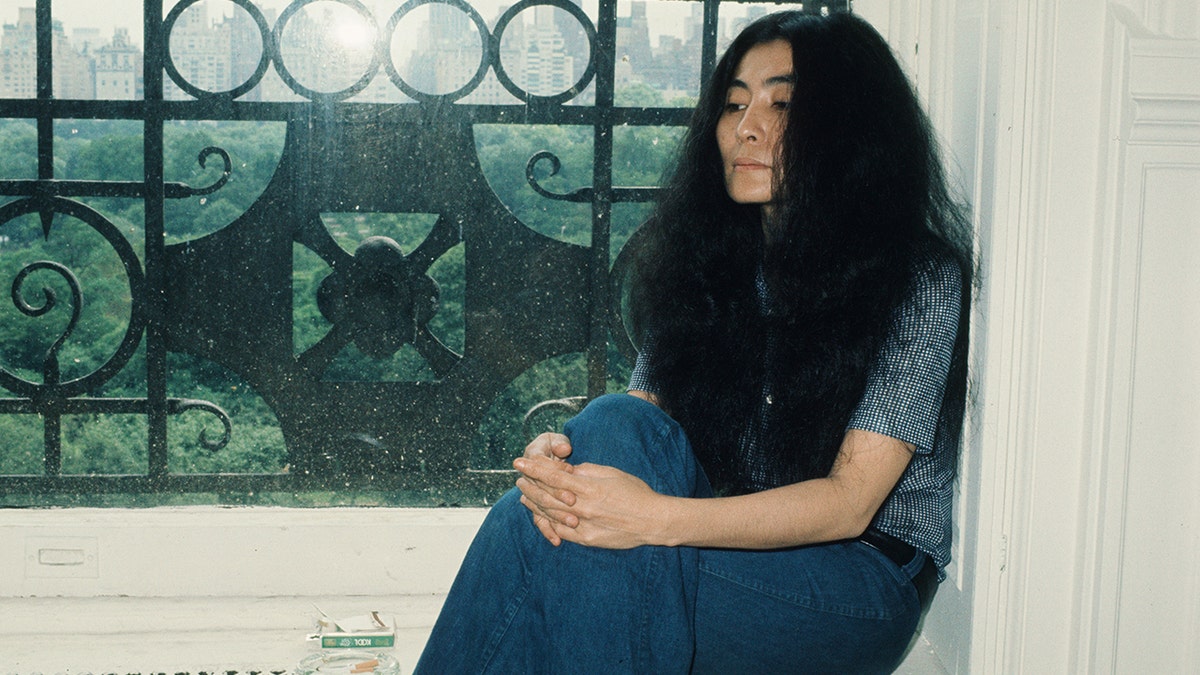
{"points": [[902, 553], [897, 551]]}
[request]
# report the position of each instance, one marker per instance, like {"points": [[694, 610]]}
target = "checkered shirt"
{"points": [[904, 399]]}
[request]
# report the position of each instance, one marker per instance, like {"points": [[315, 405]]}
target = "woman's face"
{"points": [[755, 114]]}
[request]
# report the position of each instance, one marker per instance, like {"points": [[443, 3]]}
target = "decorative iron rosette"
{"points": [[379, 298]]}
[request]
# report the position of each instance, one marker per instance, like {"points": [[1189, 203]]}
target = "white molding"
{"points": [[1153, 113], [1064, 92], [1095, 646], [1014, 124], [1165, 100], [948, 67], [1165, 18]]}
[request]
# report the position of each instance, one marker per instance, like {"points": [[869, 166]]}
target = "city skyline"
{"points": [[326, 46], [666, 17]]}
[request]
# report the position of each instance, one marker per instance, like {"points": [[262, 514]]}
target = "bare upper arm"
{"points": [[867, 468], [645, 396]]}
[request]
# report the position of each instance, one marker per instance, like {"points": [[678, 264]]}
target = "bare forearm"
{"points": [[810, 512], [837, 507], [602, 506]]}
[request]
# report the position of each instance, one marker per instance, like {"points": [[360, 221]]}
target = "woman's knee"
{"points": [[622, 415], [636, 436]]}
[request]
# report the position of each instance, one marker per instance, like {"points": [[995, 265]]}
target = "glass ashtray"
{"points": [[348, 663]]}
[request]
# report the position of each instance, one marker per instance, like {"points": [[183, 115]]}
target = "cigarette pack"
{"points": [[364, 631], [361, 640]]}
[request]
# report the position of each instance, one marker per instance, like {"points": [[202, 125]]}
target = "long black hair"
{"points": [[860, 201]]}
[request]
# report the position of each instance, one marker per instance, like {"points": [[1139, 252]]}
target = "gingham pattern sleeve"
{"points": [[639, 379], [905, 387]]}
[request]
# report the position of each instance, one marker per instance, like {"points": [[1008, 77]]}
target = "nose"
{"points": [[752, 127]]}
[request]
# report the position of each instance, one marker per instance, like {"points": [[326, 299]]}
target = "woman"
{"points": [[773, 495]]}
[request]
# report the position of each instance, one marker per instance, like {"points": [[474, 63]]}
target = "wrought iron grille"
{"points": [[227, 297]]}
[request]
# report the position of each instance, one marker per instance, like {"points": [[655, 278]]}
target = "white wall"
{"points": [[1076, 126], [1139, 600]]}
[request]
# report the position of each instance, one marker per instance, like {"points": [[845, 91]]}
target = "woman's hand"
{"points": [[587, 504], [556, 448], [552, 445]]}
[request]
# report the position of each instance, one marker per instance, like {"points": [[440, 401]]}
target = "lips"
{"points": [[747, 164]]}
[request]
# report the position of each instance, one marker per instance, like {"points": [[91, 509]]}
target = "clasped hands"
{"points": [[587, 504]]}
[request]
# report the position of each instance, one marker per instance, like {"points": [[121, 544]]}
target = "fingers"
{"points": [[554, 446], [551, 522], [547, 503], [543, 469], [539, 500], [542, 523], [560, 445], [550, 475], [596, 470]]}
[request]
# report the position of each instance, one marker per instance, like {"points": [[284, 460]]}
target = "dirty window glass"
{"points": [[321, 252]]}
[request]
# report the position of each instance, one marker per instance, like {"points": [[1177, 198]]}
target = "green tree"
{"points": [[111, 150], [18, 140], [638, 95], [504, 152]]}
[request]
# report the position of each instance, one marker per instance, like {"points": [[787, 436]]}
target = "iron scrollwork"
{"points": [[50, 365], [227, 296], [53, 386], [380, 53], [583, 194], [182, 190], [112, 188], [552, 410], [52, 397], [176, 406], [381, 298]]}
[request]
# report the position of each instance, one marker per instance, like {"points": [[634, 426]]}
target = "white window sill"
{"points": [[213, 589]]}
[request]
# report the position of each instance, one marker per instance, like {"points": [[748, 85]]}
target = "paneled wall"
{"points": [[1146, 529], [1075, 126]]}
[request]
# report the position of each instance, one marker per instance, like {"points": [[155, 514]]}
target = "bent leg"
{"points": [[831, 608], [520, 604]]}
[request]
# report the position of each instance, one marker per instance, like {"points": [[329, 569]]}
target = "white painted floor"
{"points": [[187, 635], [149, 636], [190, 590]]}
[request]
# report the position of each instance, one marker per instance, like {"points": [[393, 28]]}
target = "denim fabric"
{"points": [[835, 608], [520, 605]]}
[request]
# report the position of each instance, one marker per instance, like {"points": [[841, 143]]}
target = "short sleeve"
{"points": [[639, 379], [907, 381]]}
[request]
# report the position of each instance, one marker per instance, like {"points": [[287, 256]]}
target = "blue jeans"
{"points": [[520, 605]]}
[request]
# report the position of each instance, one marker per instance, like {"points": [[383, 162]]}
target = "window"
{"points": [[324, 275]]}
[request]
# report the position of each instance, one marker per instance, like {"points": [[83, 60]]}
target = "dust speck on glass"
{"points": [[322, 252]]}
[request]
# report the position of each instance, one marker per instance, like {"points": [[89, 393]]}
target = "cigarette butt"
{"points": [[365, 666]]}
